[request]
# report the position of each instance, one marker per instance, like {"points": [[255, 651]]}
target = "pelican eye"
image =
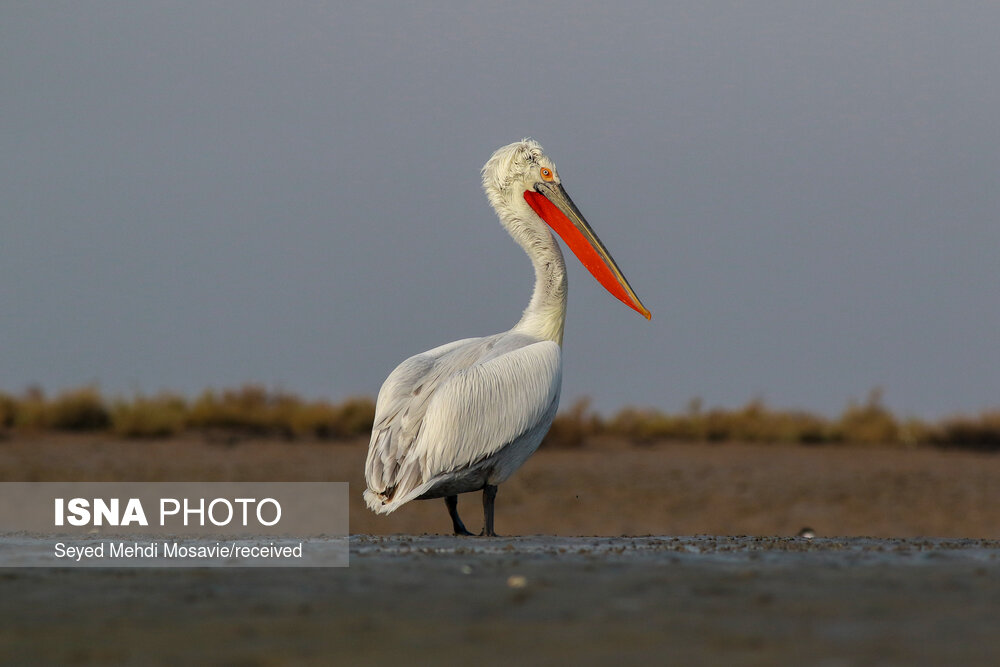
{"points": [[546, 174]]}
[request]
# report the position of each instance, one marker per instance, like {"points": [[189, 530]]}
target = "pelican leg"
{"points": [[489, 496], [452, 503]]}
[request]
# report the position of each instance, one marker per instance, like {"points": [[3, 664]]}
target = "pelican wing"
{"points": [[453, 406]]}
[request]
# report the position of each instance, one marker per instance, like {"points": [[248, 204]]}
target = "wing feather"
{"points": [[446, 409]]}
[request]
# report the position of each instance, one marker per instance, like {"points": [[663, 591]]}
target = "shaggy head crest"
{"points": [[509, 165]]}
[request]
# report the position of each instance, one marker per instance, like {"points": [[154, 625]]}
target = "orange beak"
{"points": [[553, 205]]}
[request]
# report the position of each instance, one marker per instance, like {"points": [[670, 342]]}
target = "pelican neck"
{"points": [[545, 316]]}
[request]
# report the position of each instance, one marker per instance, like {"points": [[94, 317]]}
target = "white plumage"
{"points": [[464, 416]]}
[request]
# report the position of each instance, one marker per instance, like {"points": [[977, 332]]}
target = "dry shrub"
{"points": [[326, 421], [251, 410], [30, 410], [315, 420], [356, 416], [868, 423], [572, 427], [160, 416], [982, 433], [77, 410], [8, 411], [647, 425], [754, 422]]}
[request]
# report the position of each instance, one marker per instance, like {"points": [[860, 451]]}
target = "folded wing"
{"points": [[451, 407]]}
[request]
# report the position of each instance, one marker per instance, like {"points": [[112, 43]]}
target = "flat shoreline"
{"points": [[535, 600], [704, 549]]}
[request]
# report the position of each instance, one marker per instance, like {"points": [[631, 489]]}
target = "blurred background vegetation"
{"points": [[255, 411]]}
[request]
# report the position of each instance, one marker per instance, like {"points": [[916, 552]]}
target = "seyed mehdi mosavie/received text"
{"points": [[174, 549]]}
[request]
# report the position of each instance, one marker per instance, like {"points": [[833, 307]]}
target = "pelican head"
{"points": [[524, 188]]}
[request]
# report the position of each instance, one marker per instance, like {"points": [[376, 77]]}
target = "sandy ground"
{"points": [[606, 488], [708, 599]]}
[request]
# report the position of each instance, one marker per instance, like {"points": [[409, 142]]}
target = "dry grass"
{"points": [[159, 416], [80, 409], [254, 411], [980, 433], [250, 411]]}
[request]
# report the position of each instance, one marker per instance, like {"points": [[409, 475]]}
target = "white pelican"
{"points": [[464, 416]]}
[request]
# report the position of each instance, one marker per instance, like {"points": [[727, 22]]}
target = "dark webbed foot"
{"points": [[451, 502], [489, 496]]}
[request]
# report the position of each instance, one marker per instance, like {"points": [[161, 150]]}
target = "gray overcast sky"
{"points": [[805, 194]]}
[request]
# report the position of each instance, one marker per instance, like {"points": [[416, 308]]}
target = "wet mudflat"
{"points": [[535, 600], [414, 597]]}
